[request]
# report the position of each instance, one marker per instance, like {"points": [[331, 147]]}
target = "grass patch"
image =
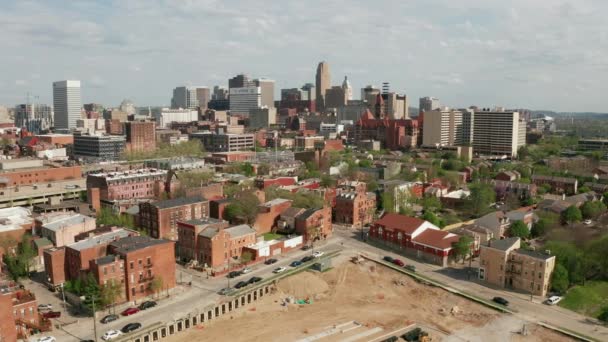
{"points": [[271, 236], [588, 299]]}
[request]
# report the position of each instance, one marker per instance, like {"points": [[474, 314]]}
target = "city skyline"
{"points": [[475, 53]]}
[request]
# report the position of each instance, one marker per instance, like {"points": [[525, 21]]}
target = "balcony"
{"points": [[148, 265], [513, 271], [146, 278]]}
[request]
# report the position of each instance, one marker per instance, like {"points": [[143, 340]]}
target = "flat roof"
{"points": [[133, 243], [129, 174], [67, 221], [175, 202], [101, 239]]}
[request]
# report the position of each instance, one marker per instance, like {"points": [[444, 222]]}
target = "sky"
{"points": [[536, 54]]}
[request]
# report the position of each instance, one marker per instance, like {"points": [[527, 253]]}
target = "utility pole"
{"points": [[94, 320]]}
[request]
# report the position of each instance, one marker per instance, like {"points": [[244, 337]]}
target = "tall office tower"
{"points": [[335, 97], [203, 96], [447, 128], [184, 97], [267, 89], [428, 104], [323, 82], [67, 103], [310, 92], [347, 88], [34, 117], [497, 132], [244, 99], [369, 93], [240, 81]]}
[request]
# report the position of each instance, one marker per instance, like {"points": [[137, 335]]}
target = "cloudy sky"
{"points": [[539, 54]]}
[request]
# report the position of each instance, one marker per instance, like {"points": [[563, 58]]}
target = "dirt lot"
{"points": [[376, 297]]}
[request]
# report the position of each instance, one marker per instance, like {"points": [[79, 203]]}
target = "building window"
{"points": [[482, 273], [141, 288], [501, 268], [132, 291], [131, 265], [105, 271]]}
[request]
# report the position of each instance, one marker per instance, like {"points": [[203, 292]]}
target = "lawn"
{"points": [[272, 236], [587, 300]]}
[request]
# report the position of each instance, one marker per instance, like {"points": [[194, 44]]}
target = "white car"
{"points": [[42, 307], [279, 270], [110, 335], [553, 300], [587, 222], [317, 254], [246, 270], [46, 339]]}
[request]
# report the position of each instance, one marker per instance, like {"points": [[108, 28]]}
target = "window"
{"points": [[149, 261], [501, 267], [139, 262], [141, 288], [482, 273], [132, 291], [132, 265], [105, 271]]}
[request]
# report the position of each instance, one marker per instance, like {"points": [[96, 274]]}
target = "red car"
{"points": [[51, 314], [398, 262], [130, 311]]}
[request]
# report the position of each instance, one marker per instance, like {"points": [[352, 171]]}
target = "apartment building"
{"points": [[159, 219], [187, 245], [559, 185], [62, 228], [497, 132], [314, 224], [504, 264], [447, 127], [140, 136], [354, 205], [138, 183], [219, 248]]}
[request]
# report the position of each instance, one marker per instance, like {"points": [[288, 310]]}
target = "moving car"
{"points": [[130, 327], [295, 263], [42, 307], [234, 274], [109, 318], [317, 254], [51, 314], [245, 270], [307, 258], [553, 300], [398, 262], [130, 311], [240, 284], [147, 304], [46, 339], [254, 280], [388, 258], [270, 261], [500, 301], [225, 291], [410, 268], [110, 335], [279, 270]]}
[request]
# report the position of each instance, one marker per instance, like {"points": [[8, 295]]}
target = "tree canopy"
{"points": [[519, 229], [462, 247], [242, 210], [482, 195], [571, 215]]}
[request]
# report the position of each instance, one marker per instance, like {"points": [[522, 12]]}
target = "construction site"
{"points": [[360, 300]]}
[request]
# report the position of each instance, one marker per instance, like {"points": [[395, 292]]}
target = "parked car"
{"points": [[225, 291], [43, 307], [398, 262], [295, 263], [279, 270], [51, 314], [130, 327], [109, 318], [254, 280], [245, 270], [317, 254], [410, 268], [46, 339], [553, 300], [306, 247], [234, 274], [587, 222], [500, 301], [110, 335], [87, 341], [388, 258], [307, 258], [270, 261], [129, 311], [147, 304], [240, 284]]}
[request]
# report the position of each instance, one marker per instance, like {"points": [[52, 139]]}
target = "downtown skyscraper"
{"points": [[67, 103], [323, 82]]}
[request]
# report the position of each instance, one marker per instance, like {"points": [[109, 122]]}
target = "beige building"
{"points": [[503, 263], [62, 228], [498, 132], [323, 82], [262, 117], [447, 127]]}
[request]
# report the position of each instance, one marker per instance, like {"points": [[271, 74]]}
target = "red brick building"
{"points": [[217, 207], [120, 185], [392, 134], [56, 139], [269, 213], [159, 219], [219, 248], [8, 329], [354, 205], [145, 259], [314, 224], [38, 175], [141, 136], [263, 183], [414, 237], [187, 245], [109, 269]]}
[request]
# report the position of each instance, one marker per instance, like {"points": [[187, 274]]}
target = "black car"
{"points": [[253, 280], [307, 258], [130, 327], [388, 258], [109, 318], [234, 274], [240, 284], [87, 341], [270, 261], [500, 301], [306, 247], [147, 304]]}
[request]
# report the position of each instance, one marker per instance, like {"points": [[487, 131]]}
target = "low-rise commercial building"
{"points": [[225, 142], [98, 147], [62, 228]]}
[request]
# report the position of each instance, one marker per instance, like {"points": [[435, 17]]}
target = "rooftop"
{"points": [[400, 222], [134, 243], [67, 221], [129, 174], [104, 260], [101, 239], [176, 202], [206, 220], [535, 254], [503, 244], [240, 230], [274, 202]]}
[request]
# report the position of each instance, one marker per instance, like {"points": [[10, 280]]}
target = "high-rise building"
{"points": [[262, 117], [166, 116], [36, 118], [241, 81], [67, 103], [335, 97], [497, 132], [185, 97], [203, 96], [428, 104], [244, 99], [323, 82], [98, 147], [303, 99], [369, 93], [220, 93], [347, 88], [447, 127], [141, 136], [390, 105], [266, 90]]}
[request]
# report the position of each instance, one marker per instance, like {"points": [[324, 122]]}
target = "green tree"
{"points": [[263, 169], [244, 209], [247, 169], [559, 279], [110, 293], [603, 316], [571, 215], [365, 163], [482, 195], [388, 201], [519, 229], [156, 285], [583, 189], [593, 209], [246, 257], [605, 198], [432, 218], [327, 181], [462, 247], [431, 203], [372, 186]]}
